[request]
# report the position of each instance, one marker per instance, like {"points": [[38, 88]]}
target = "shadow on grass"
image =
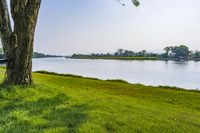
{"points": [[54, 114]]}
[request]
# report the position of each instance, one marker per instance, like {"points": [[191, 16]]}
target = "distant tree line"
{"points": [[129, 53], [178, 53], [35, 55], [41, 55], [181, 52], [120, 53]]}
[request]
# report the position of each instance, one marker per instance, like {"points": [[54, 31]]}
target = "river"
{"points": [[166, 73]]}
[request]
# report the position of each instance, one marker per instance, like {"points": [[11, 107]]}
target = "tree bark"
{"points": [[5, 26], [19, 53]]}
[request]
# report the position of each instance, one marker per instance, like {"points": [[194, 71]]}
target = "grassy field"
{"points": [[60, 104], [117, 58]]}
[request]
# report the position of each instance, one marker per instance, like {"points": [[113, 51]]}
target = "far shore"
{"points": [[117, 58], [133, 58]]}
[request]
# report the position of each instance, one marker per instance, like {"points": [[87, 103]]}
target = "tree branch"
{"points": [[135, 2], [25, 12], [32, 10]]}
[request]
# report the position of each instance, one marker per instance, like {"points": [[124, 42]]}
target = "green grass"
{"points": [[67, 103], [117, 58]]}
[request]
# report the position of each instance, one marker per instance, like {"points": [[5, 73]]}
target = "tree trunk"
{"points": [[19, 65], [19, 53], [5, 26]]}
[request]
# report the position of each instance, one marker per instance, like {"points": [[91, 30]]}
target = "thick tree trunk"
{"points": [[19, 53], [19, 65]]}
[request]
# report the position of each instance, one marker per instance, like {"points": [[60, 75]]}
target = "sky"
{"points": [[94, 26]]}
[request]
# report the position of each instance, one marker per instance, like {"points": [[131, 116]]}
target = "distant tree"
{"points": [[197, 54], [181, 51], [144, 52], [128, 53], [167, 50], [152, 54], [119, 52]]}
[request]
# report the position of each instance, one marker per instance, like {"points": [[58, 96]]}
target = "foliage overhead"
{"points": [[135, 2]]}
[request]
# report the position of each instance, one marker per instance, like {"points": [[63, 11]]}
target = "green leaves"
{"points": [[136, 2]]}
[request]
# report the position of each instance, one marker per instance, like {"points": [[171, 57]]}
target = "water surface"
{"points": [[185, 74]]}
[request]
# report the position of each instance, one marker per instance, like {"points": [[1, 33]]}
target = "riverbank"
{"points": [[135, 58], [67, 103], [118, 58]]}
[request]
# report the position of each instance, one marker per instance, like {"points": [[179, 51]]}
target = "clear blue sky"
{"points": [[87, 26]]}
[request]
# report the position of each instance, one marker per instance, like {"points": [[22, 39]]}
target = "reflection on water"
{"points": [[181, 74]]}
